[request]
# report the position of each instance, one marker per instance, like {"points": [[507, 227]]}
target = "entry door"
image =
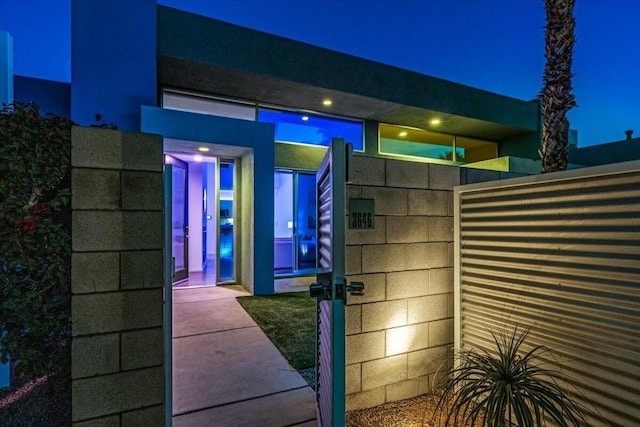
{"points": [[304, 225], [179, 217], [330, 194]]}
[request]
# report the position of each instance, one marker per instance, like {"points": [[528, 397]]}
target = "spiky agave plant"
{"points": [[505, 386]]}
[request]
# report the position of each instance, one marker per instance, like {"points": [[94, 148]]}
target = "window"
{"points": [[312, 129], [204, 105], [398, 140]]}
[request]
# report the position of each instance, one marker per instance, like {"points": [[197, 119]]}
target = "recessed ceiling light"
{"points": [[197, 158], [435, 121], [305, 118], [327, 102], [203, 149], [402, 134]]}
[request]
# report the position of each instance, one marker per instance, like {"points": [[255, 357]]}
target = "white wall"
{"points": [[283, 203], [209, 171], [195, 216]]}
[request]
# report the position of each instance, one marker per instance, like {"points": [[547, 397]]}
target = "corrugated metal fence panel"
{"points": [[324, 378], [324, 220], [562, 257]]}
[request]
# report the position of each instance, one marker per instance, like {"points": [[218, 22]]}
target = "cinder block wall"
{"points": [[117, 307], [399, 332]]}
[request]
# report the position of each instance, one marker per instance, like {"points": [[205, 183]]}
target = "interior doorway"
{"points": [[294, 223], [203, 213]]}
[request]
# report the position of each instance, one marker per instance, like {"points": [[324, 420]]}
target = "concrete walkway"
{"points": [[226, 372]]}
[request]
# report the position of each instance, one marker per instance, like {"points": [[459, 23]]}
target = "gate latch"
{"points": [[354, 288], [320, 290]]}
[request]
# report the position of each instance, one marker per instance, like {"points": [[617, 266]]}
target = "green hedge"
{"points": [[35, 239]]}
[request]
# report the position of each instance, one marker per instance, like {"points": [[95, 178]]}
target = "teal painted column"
{"points": [[6, 68], [6, 97], [113, 60]]}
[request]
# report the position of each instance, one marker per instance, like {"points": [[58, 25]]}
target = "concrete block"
{"points": [[353, 378], [428, 361], [428, 202], [142, 191], [407, 229], [147, 417], [441, 229], [381, 372], [142, 349], [117, 230], [368, 171], [95, 355], [353, 319], [95, 272], [110, 394], [387, 201], [141, 269], [365, 399], [383, 315], [407, 338], [353, 259], [427, 308], [407, 174], [111, 421], [407, 284], [95, 189], [374, 288], [384, 258], [450, 203], [365, 347], [424, 386], [116, 311], [96, 148], [352, 192], [427, 255], [376, 235], [440, 332], [440, 280], [472, 176], [442, 177], [402, 390], [450, 250], [142, 152]]}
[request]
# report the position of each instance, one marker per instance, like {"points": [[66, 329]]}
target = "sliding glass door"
{"points": [[294, 223]]}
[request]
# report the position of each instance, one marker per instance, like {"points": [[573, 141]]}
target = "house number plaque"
{"points": [[361, 214]]}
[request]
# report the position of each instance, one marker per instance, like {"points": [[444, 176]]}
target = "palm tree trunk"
{"points": [[556, 95]]}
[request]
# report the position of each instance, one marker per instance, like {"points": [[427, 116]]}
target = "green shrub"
{"points": [[506, 386], [35, 241]]}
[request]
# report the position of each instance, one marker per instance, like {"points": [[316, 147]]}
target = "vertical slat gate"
{"points": [[324, 377], [563, 257]]}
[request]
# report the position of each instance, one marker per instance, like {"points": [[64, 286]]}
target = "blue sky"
{"points": [[497, 45]]}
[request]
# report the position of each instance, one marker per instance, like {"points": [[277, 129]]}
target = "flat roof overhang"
{"points": [[200, 54]]}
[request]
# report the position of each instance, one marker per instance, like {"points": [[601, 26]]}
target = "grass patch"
{"points": [[289, 320]]}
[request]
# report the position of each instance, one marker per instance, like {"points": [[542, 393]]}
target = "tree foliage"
{"points": [[556, 95], [35, 241]]}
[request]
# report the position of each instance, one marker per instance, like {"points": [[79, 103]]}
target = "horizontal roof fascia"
{"points": [[212, 45]]}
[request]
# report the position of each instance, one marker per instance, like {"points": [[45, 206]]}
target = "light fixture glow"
{"points": [[203, 149], [197, 158], [435, 122], [327, 102], [305, 118], [402, 134]]}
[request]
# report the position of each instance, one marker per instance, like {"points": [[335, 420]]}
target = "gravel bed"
{"points": [[35, 402]]}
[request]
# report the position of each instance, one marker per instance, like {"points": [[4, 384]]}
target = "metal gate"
{"points": [[331, 286]]}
